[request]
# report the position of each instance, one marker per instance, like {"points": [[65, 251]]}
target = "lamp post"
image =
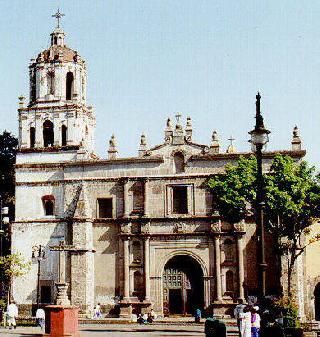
{"points": [[4, 220], [38, 254], [259, 138]]}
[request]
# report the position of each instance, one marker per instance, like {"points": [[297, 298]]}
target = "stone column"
{"points": [[147, 267], [240, 266], [146, 197], [126, 275], [218, 267], [126, 209]]}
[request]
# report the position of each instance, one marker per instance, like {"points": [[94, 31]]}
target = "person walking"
{"points": [[255, 322], [12, 314], [237, 311], [40, 318], [246, 322]]}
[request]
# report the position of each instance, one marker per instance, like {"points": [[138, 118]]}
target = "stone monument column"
{"points": [[147, 267], [239, 231]]}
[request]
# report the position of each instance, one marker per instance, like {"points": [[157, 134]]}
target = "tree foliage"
{"points": [[292, 200], [8, 149]]}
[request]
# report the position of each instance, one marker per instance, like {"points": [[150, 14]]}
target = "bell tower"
{"points": [[56, 118]]}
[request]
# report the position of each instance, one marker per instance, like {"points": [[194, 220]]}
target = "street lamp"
{"points": [[38, 254], [259, 139]]}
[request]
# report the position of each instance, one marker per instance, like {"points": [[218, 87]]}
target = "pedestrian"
{"points": [[237, 311], [255, 322], [12, 314], [40, 318], [197, 315], [98, 310], [245, 317]]}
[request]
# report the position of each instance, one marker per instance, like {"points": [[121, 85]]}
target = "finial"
{"points": [[58, 16], [189, 122], [112, 152], [169, 124], [143, 139], [296, 143], [215, 144], [178, 124], [143, 145], [231, 148]]}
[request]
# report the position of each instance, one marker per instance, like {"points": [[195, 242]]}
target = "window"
{"points": [[180, 199], [178, 162], [63, 135], [48, 134], [48, 204], [69, 85], [32, 137], [136, 252], [105, 208]]}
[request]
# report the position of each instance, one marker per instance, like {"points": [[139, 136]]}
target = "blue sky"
{"points": [[149, 59]]}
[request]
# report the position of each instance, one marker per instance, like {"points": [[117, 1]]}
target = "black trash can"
{"points": [[215, 328]]}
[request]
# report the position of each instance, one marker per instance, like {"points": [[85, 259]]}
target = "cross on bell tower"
{"points": [[58, 16]]}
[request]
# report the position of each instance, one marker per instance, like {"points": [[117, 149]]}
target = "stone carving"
{"points": [[239, 227], [216, 227], [146, 228], [126, 228], [180, 227]]}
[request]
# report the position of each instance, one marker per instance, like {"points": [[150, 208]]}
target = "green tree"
{"points": [[13, 266], [8, 150], [292, 197]]}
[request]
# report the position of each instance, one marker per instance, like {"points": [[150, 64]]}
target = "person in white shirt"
{"points": [[255, 322], [12, 314], [40, 317], [237, 311]]}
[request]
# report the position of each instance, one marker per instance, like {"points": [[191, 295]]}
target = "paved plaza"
{"points": [[117, 330]]}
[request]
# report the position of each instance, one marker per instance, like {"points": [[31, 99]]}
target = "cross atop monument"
{"points": [[58, 16], [231, 140]]}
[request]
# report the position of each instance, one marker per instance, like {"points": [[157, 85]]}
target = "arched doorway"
{"points": [[317, 302], [182, 285]]}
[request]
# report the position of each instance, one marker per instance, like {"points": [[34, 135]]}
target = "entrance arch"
{"points": [[317, 302], [183, 289]]}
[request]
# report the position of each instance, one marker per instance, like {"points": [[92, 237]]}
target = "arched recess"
{"points": [[179, 164], [229, 281], [138, 283], [183, 285], [48, 133], [317, 302], [64, 131], [69, 85], [32, 137]]}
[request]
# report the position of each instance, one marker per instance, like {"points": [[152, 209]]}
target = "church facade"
{"points": [[140, 232]]}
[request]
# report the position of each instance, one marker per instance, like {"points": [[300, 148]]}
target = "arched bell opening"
{"points": [[48, 134], [69, 85]]}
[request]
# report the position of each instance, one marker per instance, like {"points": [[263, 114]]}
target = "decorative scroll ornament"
{"points": [[239, 227], [216, 227]]}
